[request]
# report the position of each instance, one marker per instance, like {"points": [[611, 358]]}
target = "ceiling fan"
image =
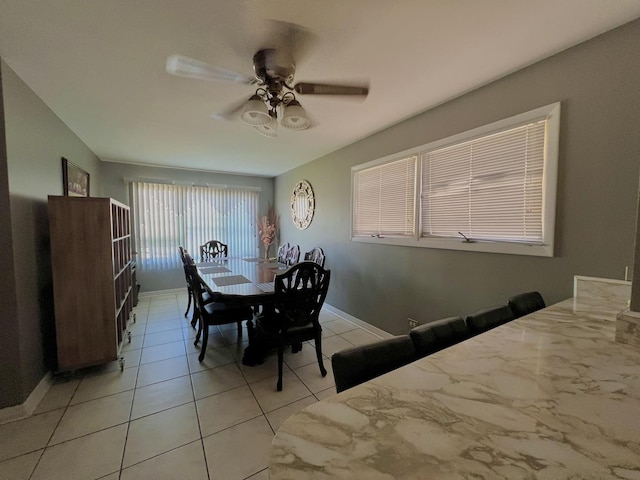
{"points": [[274, 69]]}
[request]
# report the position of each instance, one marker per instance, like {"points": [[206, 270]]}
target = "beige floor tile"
{"points": [[334, 344], [154, 327], [101, 385], [306, 356], [162, 370], [267, 369], [360, 337], [214, 357], [138, 328], [188, 332], [162, 352], [28, 435], [339, 326], [19, 468], [161, 396], [113, 476], [163, 316], [158, 433], [313, 379], [58, 396], [91, 456], [279, 415], [326, 316], [135, 344], [226, 409], [270, 399], [89, 417], [182, 463], [261, 475], [240, 451], [322, 394], [216, 380], [131, 359], [159, 338]]}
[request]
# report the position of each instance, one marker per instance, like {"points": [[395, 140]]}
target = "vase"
{"points": [[266, 251]]}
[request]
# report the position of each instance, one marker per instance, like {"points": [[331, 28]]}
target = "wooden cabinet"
{"points": [[92, 285]]}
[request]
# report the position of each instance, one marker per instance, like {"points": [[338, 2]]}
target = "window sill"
{"points": [[451, 244]]}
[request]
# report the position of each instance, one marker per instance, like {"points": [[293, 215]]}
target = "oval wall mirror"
{"points": [[302, 204]]}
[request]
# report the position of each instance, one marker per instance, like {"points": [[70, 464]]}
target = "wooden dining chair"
{"points": [[220, 310], [205, 295], [298, 297], [213, 249], [315, 255]]}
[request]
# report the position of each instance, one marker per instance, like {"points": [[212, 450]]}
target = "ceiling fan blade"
{"points": [[191, 68], [231, 111], [330, 89]]}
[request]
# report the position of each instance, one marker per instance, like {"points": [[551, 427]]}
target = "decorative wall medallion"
{"points": [[303, 204]]}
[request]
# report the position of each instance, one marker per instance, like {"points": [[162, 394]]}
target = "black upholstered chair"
{"points": [[488, 318], [220, 310], [526, 303], [298, 297], [356, 365], [315, 255], [213, 249], [435, 336]]}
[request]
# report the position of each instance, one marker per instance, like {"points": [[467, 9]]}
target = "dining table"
{"points": [[551, 395], [243, 281]]}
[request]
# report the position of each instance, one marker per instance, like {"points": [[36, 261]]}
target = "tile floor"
{"points": [[168, 416]]}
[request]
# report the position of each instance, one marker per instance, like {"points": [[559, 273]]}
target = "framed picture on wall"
{"points": [[75, 181]]}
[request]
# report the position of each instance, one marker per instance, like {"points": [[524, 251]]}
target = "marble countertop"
{"points": [[552, 395]]}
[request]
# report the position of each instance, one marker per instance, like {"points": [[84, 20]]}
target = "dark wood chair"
{"points": [[220, 310], [435, 336], [353, 366], [526, 303], [298, 297], [206, 297], [315, 255], [488, 318], [213, 249]]}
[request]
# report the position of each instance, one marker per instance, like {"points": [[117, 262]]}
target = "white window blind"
{"points": [[488, 188], [384, 199], [167, 216]]}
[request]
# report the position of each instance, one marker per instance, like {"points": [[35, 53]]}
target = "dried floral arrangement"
{"points": [[268, 228]]}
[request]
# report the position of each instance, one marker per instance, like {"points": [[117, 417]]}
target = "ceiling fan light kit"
{"points": [[274, 70], [255, 112]]}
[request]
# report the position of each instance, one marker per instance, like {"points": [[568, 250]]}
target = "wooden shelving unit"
{"points": [[92, 278]]}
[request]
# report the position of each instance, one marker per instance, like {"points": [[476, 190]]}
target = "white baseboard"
{"points": [[25, 409], [360, 323]]}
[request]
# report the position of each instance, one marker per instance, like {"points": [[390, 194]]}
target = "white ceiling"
{"points": [[100, 66]]}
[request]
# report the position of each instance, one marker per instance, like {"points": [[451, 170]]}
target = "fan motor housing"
{"points": [[271, 65]]}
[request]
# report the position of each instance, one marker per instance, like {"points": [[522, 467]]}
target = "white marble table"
{"points": [[552, 395]]}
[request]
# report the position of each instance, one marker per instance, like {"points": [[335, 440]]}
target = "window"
{"points": [[490, 189], [167, 216], [384, 199]]}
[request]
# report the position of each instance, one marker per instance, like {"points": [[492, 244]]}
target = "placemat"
{"points": [[230, 280], [214, 269], [266, 287]]}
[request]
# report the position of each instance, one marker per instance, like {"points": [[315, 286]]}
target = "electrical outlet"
{"points": [[412, 322]]}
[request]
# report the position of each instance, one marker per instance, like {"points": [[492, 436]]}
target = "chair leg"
{"points": [[240, 328], [188, 303], [199, 332], [318, 343], [205, 338], [280, 361]]}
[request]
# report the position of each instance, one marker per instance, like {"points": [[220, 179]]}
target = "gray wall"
{"points": [[113, 175], [598, 83], [36, 139]]}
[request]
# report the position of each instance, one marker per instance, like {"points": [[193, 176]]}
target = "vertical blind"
{"points": [[489, 188], [167, 216], [384, 199]]}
